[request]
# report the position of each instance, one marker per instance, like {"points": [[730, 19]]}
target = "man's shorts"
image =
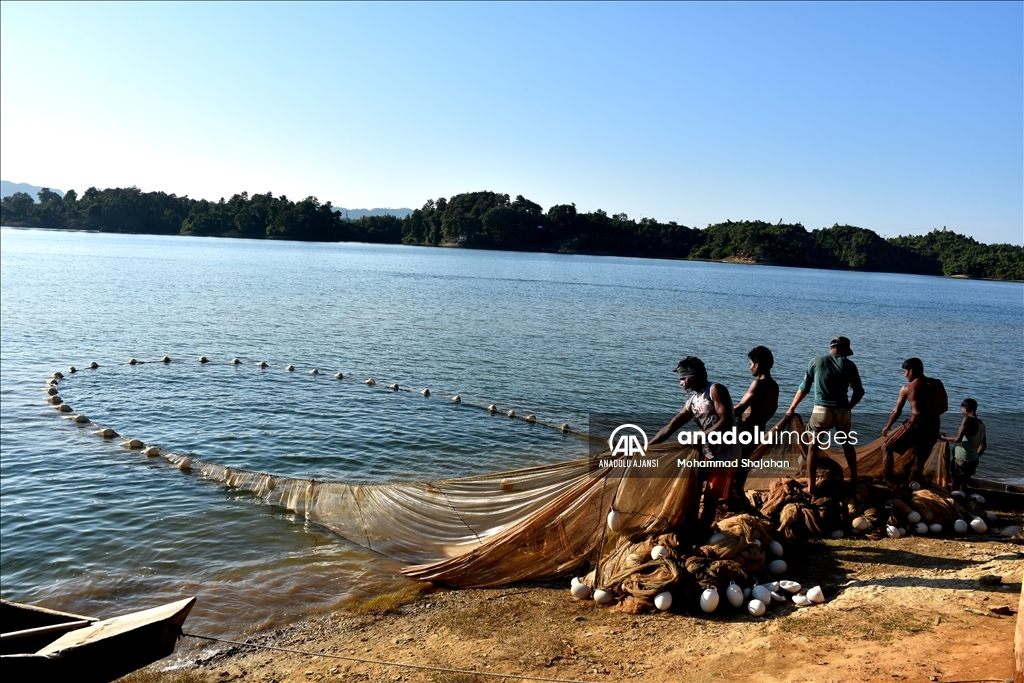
{"points": [[962, 469], [824, 418], [919, 435]]}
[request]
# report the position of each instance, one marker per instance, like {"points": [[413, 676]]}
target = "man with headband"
{"points": [[831, 376], [711, 408]]}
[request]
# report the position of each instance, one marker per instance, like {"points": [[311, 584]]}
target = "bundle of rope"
{"points": [[795, 514]]}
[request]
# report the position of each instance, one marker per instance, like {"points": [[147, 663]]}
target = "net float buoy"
{"points": [[511, 413], [564, 428], [816, 595], [71, 368], [709, 600], [734, 595], [165, 359], [757, 542], [789, 586], [531, 418], [921, 528], [426, 393], [52, 391], [991, 517], [914, 517], [492, 408], [55, 400], [393, 387], [58, 375], [761, 594], [1012, 531], [456, 399], [772, 585], [892, 532], [370, 382], [838, 533], [105, 432], [633, 559], [958, 493], [960, 526], [339, 375], [580, 590], [574, 581], [778, 597], [860, 524], [915, 486], [132, 361], [80, 419], [603, 597], [185, 465], [802, 601], [151, 451], [290, 368], [746, 592], [263, 364], [615, 520], [755, 607], [314, 371], [903, 532], [658, 552], [133, 443], [715, 538], [203, 359], [663, 600], [235, 361], [978, 498], [52, 382], [935, 528], [271, 483], [65, 408], [93, 365], [978, 525], [777, 548], [777, 566]]}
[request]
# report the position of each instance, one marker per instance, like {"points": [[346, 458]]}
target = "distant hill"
{"points": [[356, 214], [7, 188]]}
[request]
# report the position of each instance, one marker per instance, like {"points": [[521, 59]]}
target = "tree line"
{"points": [[489, 220]]}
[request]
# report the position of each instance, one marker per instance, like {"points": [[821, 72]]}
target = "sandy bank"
{"points": [[907, 609]]}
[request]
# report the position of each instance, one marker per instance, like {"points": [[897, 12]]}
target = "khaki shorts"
{"points": [[824, 419]]}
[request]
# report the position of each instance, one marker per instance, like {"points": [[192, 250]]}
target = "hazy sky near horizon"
{"points": [[901, 118]]}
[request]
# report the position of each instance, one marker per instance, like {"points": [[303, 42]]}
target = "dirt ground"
{"points": [[910, 609]]}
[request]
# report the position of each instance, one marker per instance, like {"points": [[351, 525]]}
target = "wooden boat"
{"points": [[997, 495], [39, 644]]}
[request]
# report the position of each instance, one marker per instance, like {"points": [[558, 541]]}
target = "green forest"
{"points": [[488, 220]]}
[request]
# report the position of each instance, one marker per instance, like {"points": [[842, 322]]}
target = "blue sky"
{"points": [[901, 118]]}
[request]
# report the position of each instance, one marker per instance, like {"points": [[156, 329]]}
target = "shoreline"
{"points": [[908, 609], [736, 261]]}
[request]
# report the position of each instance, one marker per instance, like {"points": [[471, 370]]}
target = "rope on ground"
{"points": [[423, 667]]}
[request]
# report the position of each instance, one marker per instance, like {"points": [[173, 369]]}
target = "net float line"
{"points": [[395, 387]]}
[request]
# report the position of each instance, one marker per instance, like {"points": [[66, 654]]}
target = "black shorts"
{"points": [[963, 469]]}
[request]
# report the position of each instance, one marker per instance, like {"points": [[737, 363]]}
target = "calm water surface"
{"points": [[93, 528]]}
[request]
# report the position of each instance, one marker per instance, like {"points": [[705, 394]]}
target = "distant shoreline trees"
{"points": [[489, 220]]}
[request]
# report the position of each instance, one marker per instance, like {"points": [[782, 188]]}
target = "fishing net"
{"points": [[490, 530]]}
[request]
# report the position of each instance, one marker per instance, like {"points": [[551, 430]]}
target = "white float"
{"points": [[960, 526], [914, 517], [615, 520], [978, 525], [935, 528], [762, 594], [777, 566], [734, 595], [603, 597], [838, 533], [777, 548], [816, 594], [709, 600], [921, 528], [580, 590], [426, 392], [663, 600], [755, 607], [456, 399], [790, 586], [658, 552]]}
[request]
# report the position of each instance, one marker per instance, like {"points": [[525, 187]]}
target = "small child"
{"points": [[968, 445]]}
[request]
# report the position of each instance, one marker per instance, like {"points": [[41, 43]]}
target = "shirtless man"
{"points": [[756, 407], [928, 400]]}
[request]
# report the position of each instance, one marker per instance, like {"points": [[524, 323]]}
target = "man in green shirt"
{"points": [[831, 376]]}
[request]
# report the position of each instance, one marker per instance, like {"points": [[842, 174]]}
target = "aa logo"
{"points": [[628, 443]]}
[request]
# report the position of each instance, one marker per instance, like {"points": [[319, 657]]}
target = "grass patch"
{"points": [[386, 603]]}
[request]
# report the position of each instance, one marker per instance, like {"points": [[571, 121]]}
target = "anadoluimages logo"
{"points": [[628, 443]]}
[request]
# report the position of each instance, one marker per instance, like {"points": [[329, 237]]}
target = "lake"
{"points": [[93, 528]]}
